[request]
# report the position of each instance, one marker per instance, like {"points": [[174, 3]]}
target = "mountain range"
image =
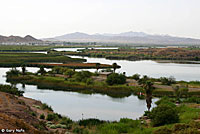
{"points": [[18, 39], [126, 37]]}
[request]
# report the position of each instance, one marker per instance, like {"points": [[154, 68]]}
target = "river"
{"points": [[186, 72], [78, 106]]}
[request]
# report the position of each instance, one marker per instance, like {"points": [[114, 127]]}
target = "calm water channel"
{"points": [[78, 106]]}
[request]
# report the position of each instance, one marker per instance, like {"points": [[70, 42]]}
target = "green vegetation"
{"points": [[115, 85], [90, 122], [53, 117], [115, 78], [164, 114], [25, 48], [9, 59], [11, 90], [58, 83], [45, 106], [136, 77], [42, 116], [192, 100], [30, 48], [167, 81], [173, 54], [166, 118]]}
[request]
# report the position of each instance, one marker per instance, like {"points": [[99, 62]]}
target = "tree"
{"points": [[13, 72], [179, 91], [115, 78], [148, 87], [143, 80], [23, 69], [164, 114], [168, 81], [82, 76], [136, 77], [42, 70], [69, 72], [114, 65], [97, 66]]}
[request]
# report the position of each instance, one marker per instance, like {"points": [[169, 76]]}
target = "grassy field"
{"points": [[73, 65], [177, 54], [18, 48], [10, 59]]}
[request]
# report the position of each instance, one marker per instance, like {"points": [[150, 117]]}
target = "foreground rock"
{"points": [[17, 115]]}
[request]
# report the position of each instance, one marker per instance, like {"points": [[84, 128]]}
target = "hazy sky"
{"points": [[49, 18]]}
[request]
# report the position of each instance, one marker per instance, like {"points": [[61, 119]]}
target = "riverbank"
{"points": [[60, 84], [29, 116], [97, 84]]}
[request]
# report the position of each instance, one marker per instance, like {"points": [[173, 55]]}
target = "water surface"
{"points": [[186, 72], [78, 106]]}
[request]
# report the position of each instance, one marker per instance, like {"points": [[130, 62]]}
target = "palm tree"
{"points": [[23, 69], [97, 66], [148, 87], [114, 65], [42, 71], [179, 91]]}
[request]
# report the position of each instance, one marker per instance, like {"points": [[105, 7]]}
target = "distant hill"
{"points": [[127, 37], [18, 39]]}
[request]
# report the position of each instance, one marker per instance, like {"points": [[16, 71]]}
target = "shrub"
{"points": [[69, 72], [168, 81], [90, 122], [147, 113], [78, 130], [89, 81], [36, 106], [59, 70], [82, 76], [13, 72], [42, 116], [52, 126], [65, 121], [184, 129], [166, 100], [33, 113], [11, 90], [187, 114], [115, 78], [192, 100], [123, 126], [58, 125], [164, 114], [163, 130], [52, 116], [136, 77], [49, 122], [45, 106]]}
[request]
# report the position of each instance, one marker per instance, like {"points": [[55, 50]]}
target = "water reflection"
{"points": [[77, 105]]}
